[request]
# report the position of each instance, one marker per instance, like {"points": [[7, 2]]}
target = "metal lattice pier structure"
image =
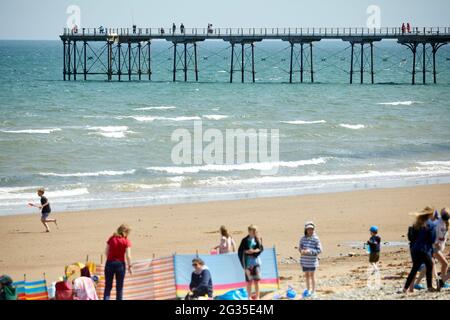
{"points": [[129, 56]]}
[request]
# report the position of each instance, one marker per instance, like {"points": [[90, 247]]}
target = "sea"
{"points": [[98, 144]]}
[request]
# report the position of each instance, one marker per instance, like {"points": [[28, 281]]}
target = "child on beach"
{"points": [[374, 244], [45, 209], [227, 243], [442, 227], [310, 248], [249, 250]]}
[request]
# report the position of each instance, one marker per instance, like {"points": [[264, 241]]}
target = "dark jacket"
{"points": [[421, 240], [201, 284], [244, 247]]}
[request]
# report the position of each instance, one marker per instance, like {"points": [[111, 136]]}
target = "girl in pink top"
{"points": [[227, 243]]}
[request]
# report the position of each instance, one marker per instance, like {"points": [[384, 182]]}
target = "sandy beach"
{"points": [[341, 218]]}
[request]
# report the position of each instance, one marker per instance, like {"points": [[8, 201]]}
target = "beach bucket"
{"points": [[213, 252]]}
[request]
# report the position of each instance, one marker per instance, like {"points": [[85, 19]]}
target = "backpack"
{"points": [[64, 290]]}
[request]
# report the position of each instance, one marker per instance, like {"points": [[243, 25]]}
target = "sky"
{"points": [[45, 19]]}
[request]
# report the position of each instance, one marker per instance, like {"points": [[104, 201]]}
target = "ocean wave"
{"points": [[131, 187], [151, 118], [89, 174], [214, 116], [262, 166], [111, 131], [304, 122], [33, 131], [155, 108], [352, 126], [52, 194], [323, 178], [399, 103]]}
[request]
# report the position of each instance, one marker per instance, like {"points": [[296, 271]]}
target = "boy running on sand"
{"points": [[310, 248], [45, 209], [374, 244]]}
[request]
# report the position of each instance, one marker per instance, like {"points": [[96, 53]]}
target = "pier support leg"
{"points": [[129, 61], [195, 61], [75, 60], [414, 50], [64, 60], [149, 60], [109, 44], [85, 61], [253, 62], [232, 63], [372, 74], [434, 64], [139, 61], [291, 64], [302, 54], [242, 62], [424, 66], [351, 62], [311, 61], [119, 72], [174, 62], [362, 63], [69, 63], [185, 62]]}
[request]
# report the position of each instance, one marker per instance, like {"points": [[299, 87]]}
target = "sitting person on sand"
{"points": [[201, 282], [310, 247], [249, 250], [227, 243], [45, 209], [374, 244], [422, 236]]}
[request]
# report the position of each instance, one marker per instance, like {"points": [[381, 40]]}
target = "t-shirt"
{"points": [[374, 243], [251, 260], [117, 247], [47, 208]]}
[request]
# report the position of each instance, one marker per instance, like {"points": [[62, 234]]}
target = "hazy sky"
{"points": [[44, 19]]}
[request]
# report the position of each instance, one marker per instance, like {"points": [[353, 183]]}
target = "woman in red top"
{"points": [[117, 250]]}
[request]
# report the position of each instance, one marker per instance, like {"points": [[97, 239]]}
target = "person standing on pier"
{"points": [[403, 28], [174, 28], [182, 28], [408, 27]]}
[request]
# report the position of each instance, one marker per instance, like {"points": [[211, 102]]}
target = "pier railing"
{"points": [[264, 32]]}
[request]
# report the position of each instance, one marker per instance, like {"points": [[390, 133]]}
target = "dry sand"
{"points": [[185, 228]]}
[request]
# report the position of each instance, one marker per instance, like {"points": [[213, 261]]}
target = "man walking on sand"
{"points": [[45, 210]]}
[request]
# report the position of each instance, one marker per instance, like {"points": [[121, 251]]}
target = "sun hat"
{"points": [[310, 225], [427, 211], [373, 229]]}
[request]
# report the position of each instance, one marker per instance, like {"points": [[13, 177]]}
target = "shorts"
{"points": [[253, 273], [44, 215], [374, 257], [309, 269]]}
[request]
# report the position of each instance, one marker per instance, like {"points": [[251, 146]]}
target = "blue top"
{"points": [[422, 240]]}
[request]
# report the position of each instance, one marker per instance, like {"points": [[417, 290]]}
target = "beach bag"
{"points": [[64, 290], [239, 294]]}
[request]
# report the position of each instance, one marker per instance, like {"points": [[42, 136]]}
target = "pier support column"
{"points": [[85, 61], [195, 62], [69, 63], [232, 63], [185, 69], [291, 64], [253, 62], [174, 62], [139, 61], [109, 45], [149, 60], [311, 61], [372, 73], [351, 62], [242, 62], [424, 62], [362, 64], [364, 59], [64, 60], [75, 60], [301, 59], [129, 61], [185, 59], [119, 71]]}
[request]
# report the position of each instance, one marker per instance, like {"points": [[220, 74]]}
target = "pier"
{"points": [[126, 52]]}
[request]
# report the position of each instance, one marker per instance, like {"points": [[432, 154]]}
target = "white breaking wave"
{"points": [[304, 122], [150, 118], [399, 103], [111, 131], [214, 116], [353, 178], [262, 166], [38, 131], [155, 108], [352, 126], [434, 163], [89, 174], [52, 194]]}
